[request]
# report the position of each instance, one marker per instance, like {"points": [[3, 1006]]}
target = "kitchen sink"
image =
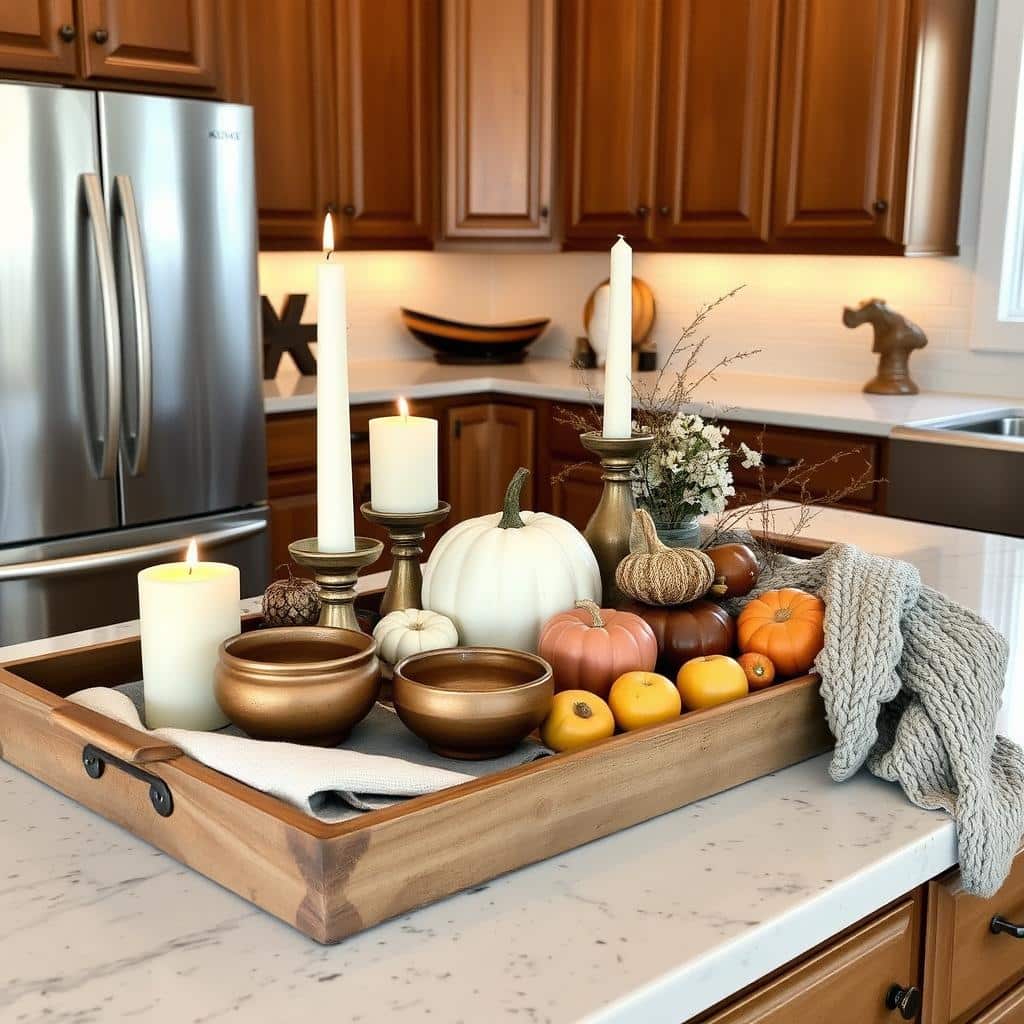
{"points": [[1004, 426]]}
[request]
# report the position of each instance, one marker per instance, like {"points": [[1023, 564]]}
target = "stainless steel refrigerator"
{"points": [[131, 414]]}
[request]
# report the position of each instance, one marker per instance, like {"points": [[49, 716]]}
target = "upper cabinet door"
{"points": [[838, 172], [173, 42], [281, 65], [718, 94], [386, 53], [38, 36], [609, 117], [497, 117]]}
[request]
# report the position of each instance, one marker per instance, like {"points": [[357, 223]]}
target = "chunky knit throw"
{"points": [[912, 683]]}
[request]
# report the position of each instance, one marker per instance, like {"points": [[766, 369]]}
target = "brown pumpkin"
{"points": [[654, 573], [688, 631], [736, 569], [785, 625], [588, 648]]}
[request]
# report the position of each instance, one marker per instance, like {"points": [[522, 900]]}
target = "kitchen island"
{"points": [[656, 923]]}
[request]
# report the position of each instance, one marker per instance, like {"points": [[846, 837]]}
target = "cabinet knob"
{"points": [[67, 33], [543, 213], [664, 211], [881, 206], [101, 35], [642, 211], [906, 1000], [349, 210], [999, 925]]}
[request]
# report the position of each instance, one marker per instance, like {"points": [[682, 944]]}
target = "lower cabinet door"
{"points": [[1008, 1010], [848, 982], [575, 495]]}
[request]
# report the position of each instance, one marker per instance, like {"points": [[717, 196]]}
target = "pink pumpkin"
{"points": [[590, 647]]}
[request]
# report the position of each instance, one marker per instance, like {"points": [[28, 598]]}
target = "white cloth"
{"points": [[381, 763]]}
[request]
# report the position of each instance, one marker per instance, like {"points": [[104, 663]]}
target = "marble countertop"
{"points": [[755, 398], [653, 924]]}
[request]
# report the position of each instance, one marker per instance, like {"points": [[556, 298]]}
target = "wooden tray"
{"points": [[330, 881]]}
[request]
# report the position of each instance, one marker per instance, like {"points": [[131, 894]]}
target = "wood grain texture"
{"points": [[846, 982], [333, 880], [716, 123], [1008, 1010], [30, 39], [173, 42], [966, 966], [498, 118]]}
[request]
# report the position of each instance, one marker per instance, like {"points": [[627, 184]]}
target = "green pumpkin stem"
{"points": [[510, 517]]}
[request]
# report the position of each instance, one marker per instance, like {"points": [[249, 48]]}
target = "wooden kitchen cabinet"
{"points": [[846, 982], [293, 148], [485, 444], [575, 496], [38, 36], [716, 123], [498, 118], [610, 54], [173, 42], [386, 79], [871, 113]]}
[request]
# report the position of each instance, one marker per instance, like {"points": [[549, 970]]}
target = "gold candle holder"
{"points": [[335, 573], [407, 531], [608, 529]]}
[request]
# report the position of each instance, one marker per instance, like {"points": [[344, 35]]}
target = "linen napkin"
{"points": [[380, 764]]}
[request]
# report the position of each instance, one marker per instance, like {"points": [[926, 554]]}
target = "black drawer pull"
{"points": [[1000, 925], [906, 1000], [96, 760], [778, 461]]}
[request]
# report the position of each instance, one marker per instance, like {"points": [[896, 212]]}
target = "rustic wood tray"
{"points": [[331, 881]]}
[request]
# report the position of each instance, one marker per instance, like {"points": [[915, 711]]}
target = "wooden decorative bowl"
{"points": [[473, 703], [302, 684], [454, 341]]}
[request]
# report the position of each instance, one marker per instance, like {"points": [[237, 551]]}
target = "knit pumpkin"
{"points": [[787, 626], [589, 647], [656, 574]]}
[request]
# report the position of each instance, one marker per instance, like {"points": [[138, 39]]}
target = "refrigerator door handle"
{"points": [[127, 556], [143, 339], [111, 324]]}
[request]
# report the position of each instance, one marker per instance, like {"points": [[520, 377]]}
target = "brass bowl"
{"points": [[473, 703], [302, 684]]}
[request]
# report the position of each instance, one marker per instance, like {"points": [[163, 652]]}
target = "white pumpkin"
{"points": [[412, 631], [500, 577]]}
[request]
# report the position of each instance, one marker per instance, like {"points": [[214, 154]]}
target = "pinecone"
{"points": [[291, 602]]}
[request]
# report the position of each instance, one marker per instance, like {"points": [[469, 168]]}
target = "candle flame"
{"points": [[192, 555], [328, 235], [403, 408]]}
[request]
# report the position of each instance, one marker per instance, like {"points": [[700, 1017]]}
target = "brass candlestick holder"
{"points": [[335, 573], [608, 529], [407, 531]]}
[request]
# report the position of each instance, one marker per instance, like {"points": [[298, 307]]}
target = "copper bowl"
{"points": [[473, 703], [303, 684]]}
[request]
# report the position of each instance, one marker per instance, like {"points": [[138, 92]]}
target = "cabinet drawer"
{"points": [[1008, 1010], [785, 447], [846, 981], [966, 965]]}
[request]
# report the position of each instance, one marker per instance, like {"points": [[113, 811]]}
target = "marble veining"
{"points": [[755, 398], [653, 924]]}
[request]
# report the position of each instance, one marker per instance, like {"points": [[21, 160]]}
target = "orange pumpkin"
{"points": [[758, 669], [787, 626], [589, 647]]}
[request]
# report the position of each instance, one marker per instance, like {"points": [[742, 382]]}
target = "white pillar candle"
{"points": [[618, 365], [186, 610], [335, 527], [403, 462]]}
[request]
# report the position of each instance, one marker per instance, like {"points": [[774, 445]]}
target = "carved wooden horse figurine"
{"points": [[895, 338]]}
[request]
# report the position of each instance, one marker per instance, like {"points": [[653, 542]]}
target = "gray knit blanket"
{"points": [[912, 683]]}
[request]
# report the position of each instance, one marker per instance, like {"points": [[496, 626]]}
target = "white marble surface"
{"points": [[755, 398], [652, 924]]}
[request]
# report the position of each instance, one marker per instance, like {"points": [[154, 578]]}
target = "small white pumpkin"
{"points": [[412, 631], [500, 577]]}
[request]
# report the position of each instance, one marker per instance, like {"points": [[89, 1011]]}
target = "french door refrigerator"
{"points": [[131, 414]]}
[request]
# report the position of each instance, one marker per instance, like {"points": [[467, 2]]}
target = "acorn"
{"points": [[291, 602]]}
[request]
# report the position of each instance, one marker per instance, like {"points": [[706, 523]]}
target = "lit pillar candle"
{"points": [[335, 527], [403, 462], [618, 365], [186, 611]]}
